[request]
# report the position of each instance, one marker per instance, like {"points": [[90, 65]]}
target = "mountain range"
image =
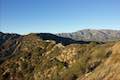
{"points": [[103, 35], [46, 56]]}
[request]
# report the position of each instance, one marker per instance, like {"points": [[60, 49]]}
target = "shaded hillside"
{"points": [[93, 35], [6, 36], [58, 39], [34, 57]]}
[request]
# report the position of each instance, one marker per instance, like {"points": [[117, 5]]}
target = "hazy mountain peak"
{"points": [[93, 35]]}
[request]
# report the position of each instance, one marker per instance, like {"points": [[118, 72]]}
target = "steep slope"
{"points": [[31, 61], [6, 36], [36, 58], [8, 45], [109, 69], [93, 35]]}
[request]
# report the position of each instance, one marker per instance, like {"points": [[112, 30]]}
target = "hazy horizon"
{"points": [[26, 33], [58, 16]]}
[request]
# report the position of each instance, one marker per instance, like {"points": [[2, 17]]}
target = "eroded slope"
{"points": [[38, 59]]}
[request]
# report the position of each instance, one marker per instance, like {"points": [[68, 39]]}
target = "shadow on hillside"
{"points": [[58, 39]]}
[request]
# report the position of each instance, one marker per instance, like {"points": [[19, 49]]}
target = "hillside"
{"points": [[93, 35], [6, 36], [43, 57]]}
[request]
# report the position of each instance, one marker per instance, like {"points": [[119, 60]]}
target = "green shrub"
{"points": [[76, 69], [99, 53]]}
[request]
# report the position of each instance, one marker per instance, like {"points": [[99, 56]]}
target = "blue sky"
{"points": [[25, 16]]}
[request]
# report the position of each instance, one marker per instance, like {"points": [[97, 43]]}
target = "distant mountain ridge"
{"points": [[93, 35], [58, 39]]}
